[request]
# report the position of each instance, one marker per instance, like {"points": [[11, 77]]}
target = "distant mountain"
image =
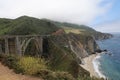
{"points": [[81, 29], [25, 25]]}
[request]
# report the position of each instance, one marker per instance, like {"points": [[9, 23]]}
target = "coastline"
{"points": [[92, 65]]}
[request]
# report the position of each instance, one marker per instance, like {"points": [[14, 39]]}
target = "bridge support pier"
{"points": [[6, 46], [18, 46], [1, 49], [41, 45]]}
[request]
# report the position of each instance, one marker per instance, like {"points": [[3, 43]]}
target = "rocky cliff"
{"points": [[81, 45], [66, 51], [101, 36]]}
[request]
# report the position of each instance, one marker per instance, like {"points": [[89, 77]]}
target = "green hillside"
{"points": [[76, 26], [26, 25], [80, 29]]}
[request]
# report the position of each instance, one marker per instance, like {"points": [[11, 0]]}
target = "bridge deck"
{"points": [[12, 36]]}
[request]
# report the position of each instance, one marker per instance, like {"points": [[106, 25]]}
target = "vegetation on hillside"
{"points": [[26, 25], [82, 29], [33, 66], [38, 67]]}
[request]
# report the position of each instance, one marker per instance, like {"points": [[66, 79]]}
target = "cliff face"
{"points": [[80, 45], [66, 51], [83, 45], [101, 36], [82, 29]]}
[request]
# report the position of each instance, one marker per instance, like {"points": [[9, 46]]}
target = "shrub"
{"points": [[2, 56], [31, 65], [9, 60], [50, 75], [46, 74], [64, 76], [89, 78]]}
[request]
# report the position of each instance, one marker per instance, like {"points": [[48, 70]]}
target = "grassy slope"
{"points": [[81, 29], [26, 25]]}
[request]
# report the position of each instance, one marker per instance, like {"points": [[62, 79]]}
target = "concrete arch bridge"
{"points": [[22, 44]]}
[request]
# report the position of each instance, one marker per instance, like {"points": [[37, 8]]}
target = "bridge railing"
{"points": [[12, 36]]}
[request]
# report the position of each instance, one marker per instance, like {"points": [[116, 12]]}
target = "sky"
{"points": [[102, 15]]}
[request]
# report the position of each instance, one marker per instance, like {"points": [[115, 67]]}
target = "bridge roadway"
{"points": [[12, 36]]}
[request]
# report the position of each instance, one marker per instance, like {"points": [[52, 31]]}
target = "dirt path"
{"points": [[7, 74]]}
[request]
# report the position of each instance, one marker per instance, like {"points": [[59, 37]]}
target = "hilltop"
{"points": [[26, 25]]}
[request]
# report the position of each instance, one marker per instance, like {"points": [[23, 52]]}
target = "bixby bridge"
{"points": [[22, 44]]}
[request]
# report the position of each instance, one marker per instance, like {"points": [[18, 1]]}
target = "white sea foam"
{"points": [[96, 65]]}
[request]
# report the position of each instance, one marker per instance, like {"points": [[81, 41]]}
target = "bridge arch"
{"points": [[32, 46]]}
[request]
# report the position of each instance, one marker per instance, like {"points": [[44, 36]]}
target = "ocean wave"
{"points": [[96, 65]]}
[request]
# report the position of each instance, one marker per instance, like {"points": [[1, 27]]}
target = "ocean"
{"points": [[108, 66]]}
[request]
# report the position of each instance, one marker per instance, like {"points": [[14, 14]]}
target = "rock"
{"points": [[105, 50], [99, 51]]}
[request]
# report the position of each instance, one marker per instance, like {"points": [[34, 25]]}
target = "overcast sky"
{"points": [[111, 27], [96, 13]]}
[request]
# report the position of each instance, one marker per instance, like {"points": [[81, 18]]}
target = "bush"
{"points": [[89, 78], [31, 65], [46, 74], [9, 60], [2, 56], [24, 65], [64, 76], [50, 75]]}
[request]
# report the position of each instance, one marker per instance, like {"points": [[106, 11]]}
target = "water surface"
{"points": [[110, 65]]}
